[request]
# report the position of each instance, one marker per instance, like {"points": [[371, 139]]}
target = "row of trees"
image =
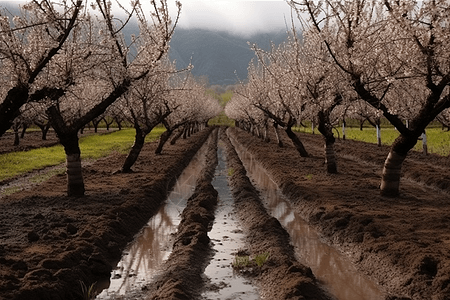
{"points": [[69, 61], [363, 59]]}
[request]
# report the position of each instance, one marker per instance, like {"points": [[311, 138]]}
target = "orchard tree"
{"points": [[103, 67], [28, 43], [383, 47], [273, 88], [194, 107], [147, 105], [321, 86]]}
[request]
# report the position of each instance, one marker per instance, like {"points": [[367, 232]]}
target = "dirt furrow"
{"points": [[281, 276], [182, 276]]}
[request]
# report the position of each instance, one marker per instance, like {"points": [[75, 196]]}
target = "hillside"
{"points": [[220, 56]]}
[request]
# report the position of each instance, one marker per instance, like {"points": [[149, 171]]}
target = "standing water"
{"points": [[142, 259], [337, 273], [227, 239]]}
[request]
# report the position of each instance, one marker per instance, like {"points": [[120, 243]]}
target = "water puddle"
{"points": [[336, 272], [227, 238], [142, 259]]}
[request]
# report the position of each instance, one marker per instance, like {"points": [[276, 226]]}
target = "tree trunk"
{"points": [[277, 134], [296, 141], [163, 139], [343, 130], [176, 137], [424, 143], [361, 124], [95, 124], [24, 129], [75, 184], [44, 130], [133, 155], [378, 135], [330, 158], [10, 107], [118, 122], [326, 130], [108, 122], [266, 134], [16, 136], [186, 129], [390, 181]]}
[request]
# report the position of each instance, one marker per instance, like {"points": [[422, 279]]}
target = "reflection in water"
{"points": [[337, 273], [227, 240], [143, 257]]}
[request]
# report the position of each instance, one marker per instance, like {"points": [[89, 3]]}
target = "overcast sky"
{"points": [[236, 16]]}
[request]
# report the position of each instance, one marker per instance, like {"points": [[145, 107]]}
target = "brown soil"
{"points": [[402, 243], [51, 242], [31, 140]]}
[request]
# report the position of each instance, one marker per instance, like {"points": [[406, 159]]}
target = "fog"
{"points": [[237, 17], [234, 16]]}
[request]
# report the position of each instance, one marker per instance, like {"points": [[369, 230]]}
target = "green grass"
{"points": [[92, 147], [438, 140]]}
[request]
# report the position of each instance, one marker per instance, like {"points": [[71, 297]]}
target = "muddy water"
{"points": [[142, 259], [227, 239], [335, 271]]}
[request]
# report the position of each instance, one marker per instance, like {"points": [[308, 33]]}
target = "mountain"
{"points": [[221, 56]]}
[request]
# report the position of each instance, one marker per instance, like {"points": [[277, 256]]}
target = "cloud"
{"points": [[238, 17]]}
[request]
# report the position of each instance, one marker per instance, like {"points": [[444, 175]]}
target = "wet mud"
{"points": [[52, 245], [281, 276], [401, 243], [191, 252]]}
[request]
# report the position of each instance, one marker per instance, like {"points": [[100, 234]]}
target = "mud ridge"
{"points": [[401, 243], [282, 276], [191, 248], [53, 243]]}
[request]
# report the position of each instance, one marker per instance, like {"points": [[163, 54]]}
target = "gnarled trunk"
{"points": [[133, 155], [163, 139], [176, 137], [330, 158], [24, 130], [296, 141], [390, 181]]}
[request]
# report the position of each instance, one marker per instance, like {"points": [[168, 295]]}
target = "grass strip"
{"points": [[438, 140], [92, 147]]}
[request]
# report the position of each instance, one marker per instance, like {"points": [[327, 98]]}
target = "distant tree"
{"points": [[147, 105]]}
